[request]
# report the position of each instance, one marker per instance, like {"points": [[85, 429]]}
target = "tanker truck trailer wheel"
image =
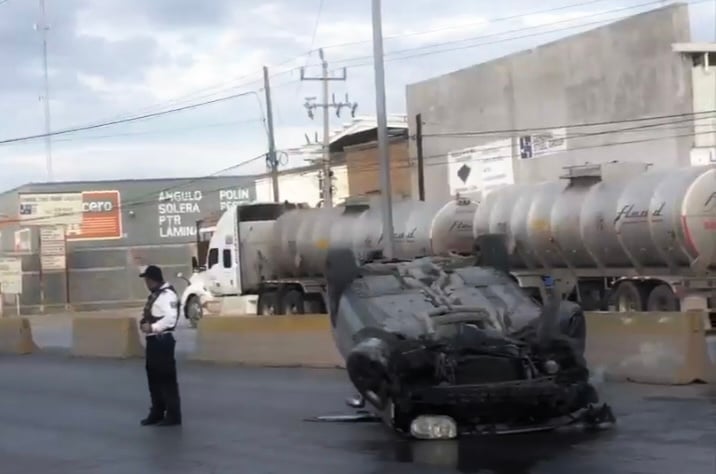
{"points": [[662, 298], [629, 296]]}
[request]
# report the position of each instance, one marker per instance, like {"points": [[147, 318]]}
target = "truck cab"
{"points": [[235, 255]]}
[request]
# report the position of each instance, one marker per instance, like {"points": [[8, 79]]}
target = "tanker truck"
{"points": [[616, 236], [269, 258]]}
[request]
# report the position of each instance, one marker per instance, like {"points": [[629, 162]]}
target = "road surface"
{"points": [[66, 415]]}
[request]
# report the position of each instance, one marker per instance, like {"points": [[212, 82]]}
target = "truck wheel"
{"points": [[629, 297], [293, 303], [267, 304], [662, 298], [194, 311]]}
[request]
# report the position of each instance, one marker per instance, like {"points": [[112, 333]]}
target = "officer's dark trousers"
{"points": [[162, 376]]}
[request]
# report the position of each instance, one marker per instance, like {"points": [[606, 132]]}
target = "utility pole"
{"points": [[421, 160], [310, 105], [48, 139], [389, 248], [272, 158]]}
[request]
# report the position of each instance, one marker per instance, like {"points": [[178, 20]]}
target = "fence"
{"points": [[96, 278]]}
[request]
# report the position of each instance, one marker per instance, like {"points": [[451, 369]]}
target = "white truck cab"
{"points": [[235, 260]]}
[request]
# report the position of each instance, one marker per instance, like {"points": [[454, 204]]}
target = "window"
{"points": [[213, 257], [226, 257]]}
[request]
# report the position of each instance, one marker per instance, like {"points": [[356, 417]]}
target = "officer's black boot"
{"points": [[153, 418]]}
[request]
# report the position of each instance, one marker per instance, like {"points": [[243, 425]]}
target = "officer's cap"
{"points": [[152, 272]]}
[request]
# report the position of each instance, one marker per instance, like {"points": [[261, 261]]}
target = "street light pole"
{"points": [[387, 211]]}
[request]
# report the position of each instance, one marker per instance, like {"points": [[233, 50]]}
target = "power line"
{"points": [[420, 50], [161, 131], [155, 114], [463, 25], [222, 87], [442, 160], [125, 120], [147, 198], [510, 131], [434, 160]]}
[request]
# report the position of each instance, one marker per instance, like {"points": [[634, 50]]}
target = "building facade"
{"points": [[618, 92], [117, 227], [363, 167]]}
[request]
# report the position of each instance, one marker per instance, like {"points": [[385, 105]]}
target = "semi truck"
{"points": [[617, 236]]}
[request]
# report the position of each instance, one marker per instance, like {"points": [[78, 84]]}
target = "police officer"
{"points": [[159, 319]]}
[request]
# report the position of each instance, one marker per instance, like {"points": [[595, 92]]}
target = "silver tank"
{"points": [[302, 237], [656, 217], [451, 228]]}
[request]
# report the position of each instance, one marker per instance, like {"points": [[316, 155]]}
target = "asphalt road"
{"points": [[66, 415]]}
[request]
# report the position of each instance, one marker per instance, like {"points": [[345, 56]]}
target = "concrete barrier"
{"points": [[267, 341], [113, 337], [652, 347], [16, 336]]}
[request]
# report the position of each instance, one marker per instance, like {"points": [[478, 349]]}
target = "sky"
{"points": [[119, 59]]}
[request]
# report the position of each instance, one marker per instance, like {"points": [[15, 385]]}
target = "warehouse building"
{"points": [[112, 228], [521, 118]]}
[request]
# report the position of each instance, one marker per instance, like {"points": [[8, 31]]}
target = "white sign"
{"points": [[480, 168], [23, 242], [178, 212], [543, 143], [10, 276], [52, 248], [229, 198], [53, 262], [50, 208]]}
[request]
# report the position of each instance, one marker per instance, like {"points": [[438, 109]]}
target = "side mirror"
{"points": [[180, 275]]}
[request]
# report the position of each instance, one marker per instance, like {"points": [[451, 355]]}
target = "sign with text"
{"points": [[480, 168], [178, 212], [53, 249], [50, 208], [10, 276], [543, 143], [101, 217], [229, 198]]}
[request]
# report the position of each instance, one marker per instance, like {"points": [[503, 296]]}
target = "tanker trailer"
{"points": [[626, 240], [271, 256]]}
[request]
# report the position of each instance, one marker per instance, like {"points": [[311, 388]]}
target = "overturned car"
{"points": [[441, 348]]}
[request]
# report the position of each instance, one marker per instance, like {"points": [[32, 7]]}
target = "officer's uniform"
{"points": [[162, 311]]}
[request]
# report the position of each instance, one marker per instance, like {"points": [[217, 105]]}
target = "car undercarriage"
{"points": [[440, 350]]}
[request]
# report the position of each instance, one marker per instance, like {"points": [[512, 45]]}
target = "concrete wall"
{"points": [[157, 226], [618, 72], [364, 169]]}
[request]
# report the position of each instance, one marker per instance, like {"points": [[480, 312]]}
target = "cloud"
{"points": [[117, 58]]}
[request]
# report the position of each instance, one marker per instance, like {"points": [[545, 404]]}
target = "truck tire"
{"points": [[267, 304], [629, 296], [293, 303], [662, 298], [194, 311]]}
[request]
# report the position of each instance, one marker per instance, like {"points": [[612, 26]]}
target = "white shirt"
{"points": [[165, 307]]}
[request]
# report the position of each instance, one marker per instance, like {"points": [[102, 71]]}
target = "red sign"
{"points": [[101, 217]]}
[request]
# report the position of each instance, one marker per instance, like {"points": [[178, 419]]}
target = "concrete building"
{"points": [[120, 226], [521, 118]]}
